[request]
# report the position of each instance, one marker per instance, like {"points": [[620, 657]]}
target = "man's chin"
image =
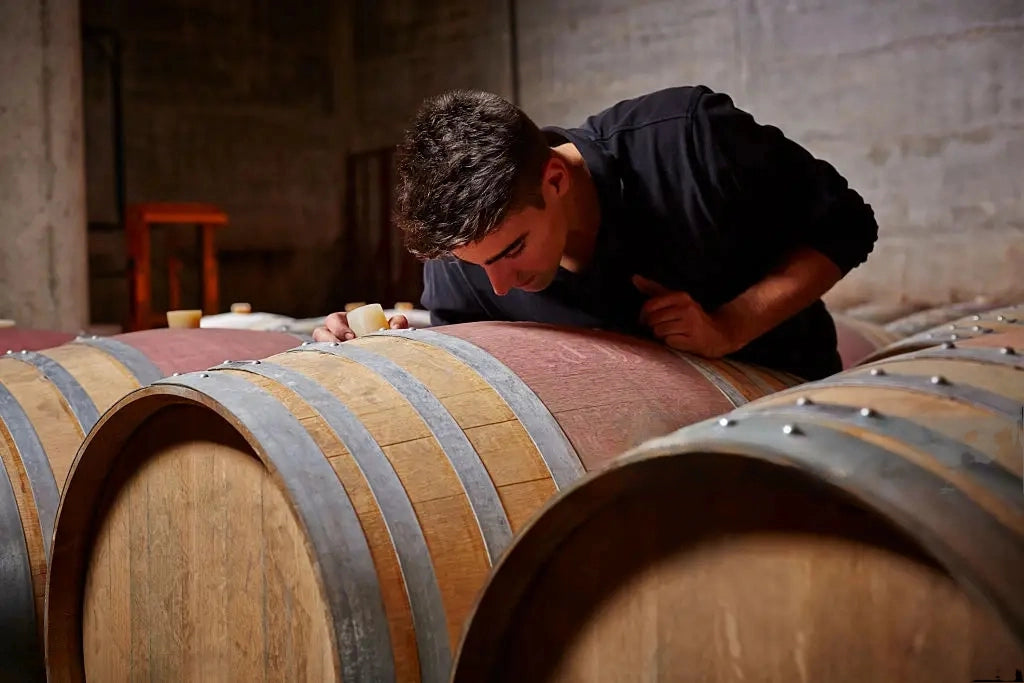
{"points": [[537, 284]]}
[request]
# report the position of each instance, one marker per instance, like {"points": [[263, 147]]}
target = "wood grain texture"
{"points": [[104, 380], [866, 532], [921, 321], [18, 338], [859, 338], [1007, 319], [605, 392]]}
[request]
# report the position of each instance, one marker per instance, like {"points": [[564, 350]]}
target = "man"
{"points": [[673, 215]]}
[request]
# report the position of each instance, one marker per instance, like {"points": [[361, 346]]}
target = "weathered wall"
{"points": [[232, 102], [919, 103], [42, 195], [254, 106]]}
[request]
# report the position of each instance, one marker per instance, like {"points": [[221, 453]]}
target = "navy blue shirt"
{"points": [[698, 196]]}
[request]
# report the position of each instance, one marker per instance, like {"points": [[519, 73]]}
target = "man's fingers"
{"points": [[322, 334], [337, 324], [399, 322], [672, 327], [674, 300], [649, 287], [668, 314]]}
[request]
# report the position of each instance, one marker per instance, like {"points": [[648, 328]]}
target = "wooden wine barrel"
{"points": [[880, 312], [928, 318], [865, 527], [1007, 318], [858, 339], [330, 512], [18, 338], [48, 402]]}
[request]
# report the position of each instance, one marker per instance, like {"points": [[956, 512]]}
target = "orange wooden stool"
{"points": [[138, 219]]}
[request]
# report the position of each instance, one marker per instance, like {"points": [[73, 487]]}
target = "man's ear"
{"points": [[556, 175]]}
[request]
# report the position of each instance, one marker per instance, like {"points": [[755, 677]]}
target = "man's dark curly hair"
{"points": [[467, 161]]}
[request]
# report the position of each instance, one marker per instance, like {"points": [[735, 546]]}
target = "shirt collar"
{"points": [[600, 165]]}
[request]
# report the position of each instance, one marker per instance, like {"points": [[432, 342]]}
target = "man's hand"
{"points": [[336, 328], [682, 323]]}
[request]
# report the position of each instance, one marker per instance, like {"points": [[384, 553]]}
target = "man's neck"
{"points": [[584, 211]]}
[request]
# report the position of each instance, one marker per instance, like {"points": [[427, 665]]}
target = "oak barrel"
{"points": [[865, 527], [858, 339], [923, 320], [49, 400], [1004, 319], [18, 338], [330, 512]]}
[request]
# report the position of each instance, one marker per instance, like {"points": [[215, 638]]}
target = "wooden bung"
{"points": [[49, 400], [866, 527], [331, 512]]}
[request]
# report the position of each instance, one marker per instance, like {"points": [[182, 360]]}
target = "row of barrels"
{"points": [[331, 512]]}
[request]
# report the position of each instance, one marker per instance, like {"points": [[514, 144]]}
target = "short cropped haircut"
{"points": [[467, 161]]}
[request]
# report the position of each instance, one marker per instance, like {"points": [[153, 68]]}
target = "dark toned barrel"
{"points": [[331, 512], [18, 338], [866, 527], [858, 339], [921, 321], [1005, 319], [48, 402]]}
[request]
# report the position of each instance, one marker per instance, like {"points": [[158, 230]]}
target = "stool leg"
{"points": [[173, 275], [211, 293], [137, 233]]}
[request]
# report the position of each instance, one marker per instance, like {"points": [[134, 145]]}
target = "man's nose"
{"points": [[500, 282]]}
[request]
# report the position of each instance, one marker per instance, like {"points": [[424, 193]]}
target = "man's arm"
{"points": [[683, 324], [770, 195], [800, 280]]}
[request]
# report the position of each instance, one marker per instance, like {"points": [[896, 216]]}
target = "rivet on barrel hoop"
{"points": [[204, 374], [726, 422], [877, 372], [792, 430], [948, 345], [975, 317], [938, 379], [1008, 351], [804, 401], [867, 412]]}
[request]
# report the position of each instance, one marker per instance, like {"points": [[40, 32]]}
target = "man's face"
{"points": [[523, 252]]}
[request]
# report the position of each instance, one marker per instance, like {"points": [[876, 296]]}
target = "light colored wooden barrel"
{"points": [[995, 321], [18, 338], [881, 313], [331, 512], [921, 321], [858, 339], [865, 527], [48, 402]]}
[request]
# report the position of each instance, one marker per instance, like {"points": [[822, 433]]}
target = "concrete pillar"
{"points": [[43, 257]]}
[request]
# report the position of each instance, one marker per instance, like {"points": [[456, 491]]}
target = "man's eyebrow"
{"points": [[507, 250]]}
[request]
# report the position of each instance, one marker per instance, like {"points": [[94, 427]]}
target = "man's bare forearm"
{"points": [[799, 281]]}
